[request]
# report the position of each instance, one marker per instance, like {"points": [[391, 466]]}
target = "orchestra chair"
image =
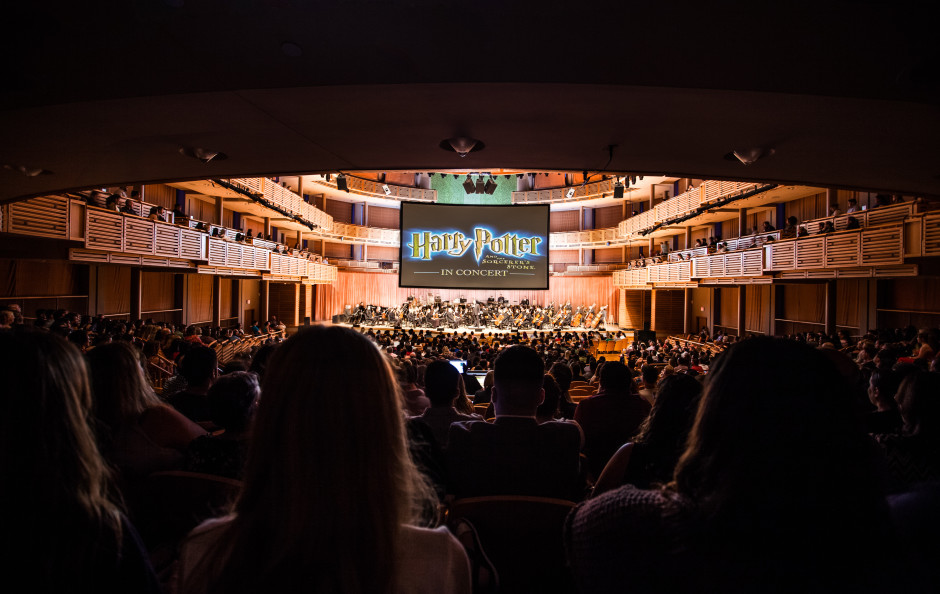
{"points": [[173, 503], [576, 383], [522, 538]]}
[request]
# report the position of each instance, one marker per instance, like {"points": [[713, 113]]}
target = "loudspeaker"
{"points": [[306, 320], [338, 319], [341, 183], [645, 335], [618, 191]]}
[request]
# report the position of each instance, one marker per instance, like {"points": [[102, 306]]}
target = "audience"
{"points": [[442, 385], [63, 528], [611, 416], [342, 522], [199, 367], [776, 476], [515, 455]]}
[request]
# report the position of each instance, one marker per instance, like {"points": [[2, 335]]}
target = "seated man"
{"points": [[440, 386], [611, 417], [515, 455]]}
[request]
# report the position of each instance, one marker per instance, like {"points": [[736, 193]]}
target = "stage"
{"points": [[478, 331]]}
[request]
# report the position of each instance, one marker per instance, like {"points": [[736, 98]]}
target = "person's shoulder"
{"points": [[626, 505]]}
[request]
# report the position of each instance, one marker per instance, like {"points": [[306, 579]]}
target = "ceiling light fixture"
{"points": [[468, 185], [490, 186], [202, 154], [28, 171], [749, 156], [480, 186], [462, 145]]}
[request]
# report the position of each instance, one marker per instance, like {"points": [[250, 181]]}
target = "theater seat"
{"points": [[522, 537]]}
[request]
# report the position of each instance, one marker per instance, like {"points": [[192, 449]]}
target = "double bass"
{"points": [[576, 320], [600, 316], [589, 318]]}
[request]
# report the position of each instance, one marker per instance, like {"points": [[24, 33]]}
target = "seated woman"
{"points": [[232, 401], [63, 530], [650, 459], [138, 433], [331, 498], [778, 473], [913, 455]]}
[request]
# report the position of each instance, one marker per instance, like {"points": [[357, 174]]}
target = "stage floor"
{"points": [[484, 330]]}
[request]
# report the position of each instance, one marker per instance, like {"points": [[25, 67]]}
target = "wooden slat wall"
{"points": [[337, 250], [340, 211], [158, 290], [198, 306], [380, 253], [386, 218], [383, 289], [564, 220], [113, 290], [608, 255], [282, 302], [228, 306], [563, 256], [757, 305], [804, 303], [633, 308], [848, 293], [607, 216], [160, 194], [201, 210], [728, 314], [667, 310], [808, 208]]}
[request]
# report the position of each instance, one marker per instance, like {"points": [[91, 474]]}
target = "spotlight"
{"points": [[490, 186], [341, 183], [202, 154], [618, 189], [468, 185], [388, 191], [480, 187]]}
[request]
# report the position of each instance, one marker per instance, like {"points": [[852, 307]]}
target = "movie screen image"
{"points": [[473, 247]]}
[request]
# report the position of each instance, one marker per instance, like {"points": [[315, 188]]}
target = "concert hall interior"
{"points": [[239, 170]]}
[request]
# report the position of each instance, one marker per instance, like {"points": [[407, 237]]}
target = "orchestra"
{"points": [[490, 314]]}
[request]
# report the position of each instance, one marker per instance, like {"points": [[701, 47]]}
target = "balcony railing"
{"points": [[279, 196], [588, 191]]}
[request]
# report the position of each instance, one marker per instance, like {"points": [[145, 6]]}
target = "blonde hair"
{"points": [[328, 481]]}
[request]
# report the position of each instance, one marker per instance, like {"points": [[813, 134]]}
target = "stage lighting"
{"points": [[490, 186], [480, 186], [468, 185]]}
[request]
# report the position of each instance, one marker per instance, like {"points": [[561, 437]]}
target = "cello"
{"points": [[576, 320], [589, 318]]}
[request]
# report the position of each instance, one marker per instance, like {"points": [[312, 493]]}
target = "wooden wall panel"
{"points": [[607, 216], [804, 303], [386, 218], [200, 209], [337, 250], [158, 291], [635, 313], [728, 314], [563, 256], [227, 305], [667, 310], [113, 290], [381, 253], [608, 255], [848, 295], [198, 308], [565, 220], [283, 302], [340, 211], [161, 194], [808, 208], [757, 309], [920, 294], [382, 289], [42, 278]]}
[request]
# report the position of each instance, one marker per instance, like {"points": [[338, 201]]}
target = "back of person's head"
{"points": [[667, 427], [199, 365], [518, 375], [120, 387], [56, 486], [440, 382], [650, 374], [882, 387], [778, 458], [562, 375], [488, 379], [616, 378], [919, 402], [549, 407], [259, 361], [328, 480], [232, 400]]}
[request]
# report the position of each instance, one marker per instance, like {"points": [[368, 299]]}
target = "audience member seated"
{"points": [[776, 476], [441, 386], [852, 223], [482, 396], [515, 455], [232, 401], [562, 375], [415, 401], [913, 454], [767, 227], [853, 206], [882, 388], [137, 433], [650, 376], [611, 417], [63, 528], [128, 207], [331, 501], [156, 213], [650, 460], [199, 367]]}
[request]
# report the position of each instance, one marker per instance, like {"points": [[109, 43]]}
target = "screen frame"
{"points": [[548, 261]]}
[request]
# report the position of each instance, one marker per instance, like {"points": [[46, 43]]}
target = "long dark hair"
{"points": [[778, 463], [60, 520], [328, 481]]}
